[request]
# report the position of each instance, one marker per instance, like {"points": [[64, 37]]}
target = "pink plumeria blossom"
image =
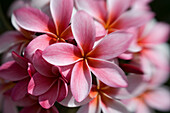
{"points": [[47, 83], [150, 94], [57, 28], [113, 14], [88, 59]]}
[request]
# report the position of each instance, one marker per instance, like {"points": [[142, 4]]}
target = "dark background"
{"points": [[160, 7]]}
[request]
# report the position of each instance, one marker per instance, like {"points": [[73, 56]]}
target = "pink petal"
{"points": [[158, 34], [109, 73], [94, 8], [133, 18], [142, 108], [61, 11], [40, 42], [48, 99], [112, 106], [158, 99], [39, 84], [116, 8], [67, 33], [26, 101], [70, 101], [62, 90], [9, 39], [20, 89], [34, 20], [12, 71], [41, 65], [100, 30], [91, 107], [111, 46], [83, 29], [61, 54], [81, 81], [23, 62]]}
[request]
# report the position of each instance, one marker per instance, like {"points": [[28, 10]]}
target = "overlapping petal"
{"points": [[39, 84], [111, 46], [34, 20], [61, 54], [109, 73], [83, 31], [81, 81], [61, 11]]}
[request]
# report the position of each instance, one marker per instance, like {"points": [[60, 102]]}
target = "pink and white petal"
{"points": [[81, 81], [142, 108], [41, 42], [41, 65], [126, 56], [97, 9], [20, 89], [62, 90], [9, 39], [158, 98], [23, 62], [108, 72], [40, 84], [61, 54], [34, 20], [83, 29], [70, 101], [12, 71], [132, 18], [157, 35], [100, 30], [48, 99], [116, 8], [91, 107], [61, 11], [111, 46], [112, 106]]}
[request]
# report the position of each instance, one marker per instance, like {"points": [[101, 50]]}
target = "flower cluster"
{"points": [[105, 56]]}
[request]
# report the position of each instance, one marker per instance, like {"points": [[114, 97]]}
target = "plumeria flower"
{"points": [[47, 83], [87, 59], [151, 94], [149, 43], [113, 14], [55, 29]]}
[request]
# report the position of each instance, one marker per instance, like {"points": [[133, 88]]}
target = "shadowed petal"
{"points": [[34, 20], [61, 11], [81, 81], [20, 89], [41, 42], [48, 99], [109, 73], [41, 65], [61, 54], [111, 46], [83, 29], [12, 71], [112, 106], [39, 84], [9, 39]]}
